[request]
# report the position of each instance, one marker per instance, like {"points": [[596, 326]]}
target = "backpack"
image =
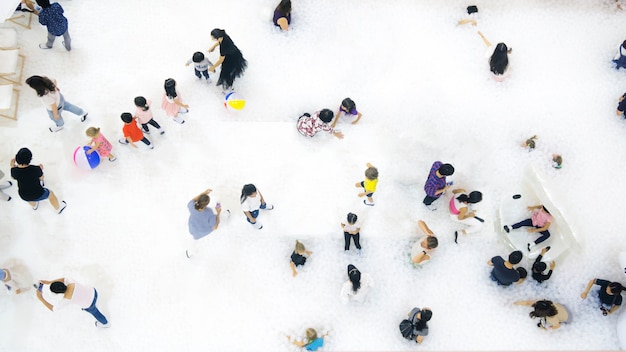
{"points": [[406, 328]]}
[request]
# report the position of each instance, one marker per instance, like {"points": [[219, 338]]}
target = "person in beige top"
{"points": [[551, 315]]}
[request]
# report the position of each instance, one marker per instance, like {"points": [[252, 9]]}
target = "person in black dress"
{"points": [[232, 61]]}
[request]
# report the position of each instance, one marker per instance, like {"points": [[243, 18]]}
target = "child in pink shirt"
{"points": [[540, 221], [143, 114]]}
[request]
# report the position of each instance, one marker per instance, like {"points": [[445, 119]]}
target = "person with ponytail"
{"points": [[498, 59], [610, 295], [232, 61], [551, 315], [460, 211], [351, 231], [282, 15], [202, 220], [357, 286], [252, 202], [298, 257], [172, 102]]}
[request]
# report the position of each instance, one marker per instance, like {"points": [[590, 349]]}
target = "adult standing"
{"points": [[54, 101], [66, 290], [282, 15], [416, 326], [498, 59], [232, 61], [436, 183], [202, 219], [29, 181], [357, 286], [51, 16]]}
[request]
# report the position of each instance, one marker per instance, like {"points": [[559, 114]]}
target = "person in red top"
{"points": [[132, 133]]}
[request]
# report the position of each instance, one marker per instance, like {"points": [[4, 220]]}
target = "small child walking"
{"points": [[251, 202], [348, 107], [99, 143], [132, 133], [143, 114], [351, 230], [298, 257], [369, 184], [200, 65], [172, 102]]}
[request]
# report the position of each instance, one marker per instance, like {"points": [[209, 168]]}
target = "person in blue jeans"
{"points": [[83, 296], [51, 16], [55, 103]]}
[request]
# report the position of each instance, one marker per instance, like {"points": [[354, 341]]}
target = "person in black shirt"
{"points": [[30, 181], [609, 294], [298, 257], [231, 59], [539, 267]]}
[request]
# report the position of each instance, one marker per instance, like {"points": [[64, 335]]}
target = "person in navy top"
{"points": [[51, 16], [282, 15]]}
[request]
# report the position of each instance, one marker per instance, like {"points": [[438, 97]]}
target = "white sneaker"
{"points": [[145, 131], [36, 206], [183, 111], [123, 141], [161, 131], [209, 80], [55, 128], [268, 206], [257, 225], [179, 120], [62, 207], [431, 207], [368, 203], [84, 117]]}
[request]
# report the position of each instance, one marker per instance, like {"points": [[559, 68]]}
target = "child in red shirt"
{"points": [[132, 133]]}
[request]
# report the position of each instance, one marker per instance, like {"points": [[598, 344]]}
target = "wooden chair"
{"points": [[10, 67], [9, 100]]}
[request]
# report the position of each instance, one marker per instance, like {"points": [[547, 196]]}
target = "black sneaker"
{"points": [[506, 228], [456, 237]]}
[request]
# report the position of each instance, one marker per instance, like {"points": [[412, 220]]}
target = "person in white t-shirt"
{"points": [[65, 291], [351, 230], [54, 101], [252, 202], [357, 286]]}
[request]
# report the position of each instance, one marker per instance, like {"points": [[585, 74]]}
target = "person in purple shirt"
{"points": [[436, 183], [282, 15], [348, 107], [51, 16]]}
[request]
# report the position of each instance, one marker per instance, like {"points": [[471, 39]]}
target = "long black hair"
{"points": [[246, 191], [284, 7], [170, 88], [499, 59], [542, 310], [42, 85], [355, 277], [474, 197]]}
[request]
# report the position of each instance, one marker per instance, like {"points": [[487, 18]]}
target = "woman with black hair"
{"points": [[416, 326], [232, 61], [498, 59], [551, 315], [282, 15], [54, 101], [460, 211], [357, 286], [610, 295]]}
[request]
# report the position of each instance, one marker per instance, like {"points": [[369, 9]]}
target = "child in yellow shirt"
{"points": [[369, 184]]}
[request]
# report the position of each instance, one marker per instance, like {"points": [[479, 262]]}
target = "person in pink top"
{"points": [[99, 143], [540, 221], [172, 102], [64, 291], [143, 114]]}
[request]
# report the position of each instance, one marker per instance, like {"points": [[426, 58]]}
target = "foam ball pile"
{"points": [[86, 161], [234, 101]]}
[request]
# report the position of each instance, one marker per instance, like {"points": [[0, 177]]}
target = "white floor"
{"points": [[423, 87]]}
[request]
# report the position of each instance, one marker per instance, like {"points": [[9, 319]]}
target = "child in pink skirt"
{"points": [[99, 143], [172, 102], [144, 115]]}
